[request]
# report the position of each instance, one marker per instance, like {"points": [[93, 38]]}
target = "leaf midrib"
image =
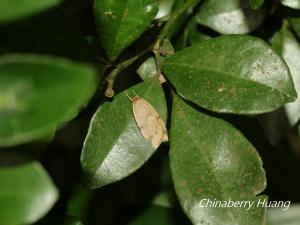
{"points": [[119, 28], [229, 75], [126, 125]]}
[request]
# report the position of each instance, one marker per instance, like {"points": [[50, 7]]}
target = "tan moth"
{"points": [[149, 121]]}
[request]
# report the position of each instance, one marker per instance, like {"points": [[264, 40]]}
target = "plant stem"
{"points": [[173, 18], [167, 29], [109, 92]]}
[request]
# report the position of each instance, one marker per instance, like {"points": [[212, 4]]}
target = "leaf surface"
{"points": [[211, 160], [230, 16], [295, 4], [120, 23], [148, 69], [12, 10], [26, 191], [38, 93], [233, 74], [115, 147], [286, 43], [255, 4]]}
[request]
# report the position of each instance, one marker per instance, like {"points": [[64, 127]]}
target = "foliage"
{"points": [[223, 77]]}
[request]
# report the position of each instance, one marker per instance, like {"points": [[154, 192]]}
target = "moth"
{"points": [[149, 121]]}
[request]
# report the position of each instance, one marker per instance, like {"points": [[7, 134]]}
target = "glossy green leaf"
{"points": [[38, 93], [120, 23], [148, 69], [230, 16], [12, 10], [284, 216], [255, 4], [289, 48], [295, 4], [154, 215], [164, 8], [115, 147], [26, 191], [79, 202], [213, 160], [232, 74]]}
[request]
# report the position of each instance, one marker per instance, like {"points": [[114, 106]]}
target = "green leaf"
{"points": [[120, 23], [230, 16], [233, 74], [284, 216], [295, 4], [115, 147], [164, 8], [255, 4], [212, 160], [79, 202], [287, 44], [148, 69], [38, 93], [11, 10], [154, 215], [26, 191]]}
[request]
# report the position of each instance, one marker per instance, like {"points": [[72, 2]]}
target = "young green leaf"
{"points": [[211, 160], [164, 8], [115, 147], [26, 191], [230, 16], [295, 4], [255, 4], [119, 23], [233, 74], [148, 70], [11, 10], [38, 93], [288, 46]]}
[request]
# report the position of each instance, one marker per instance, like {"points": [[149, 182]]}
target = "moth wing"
{"points": [[150, 123]]}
